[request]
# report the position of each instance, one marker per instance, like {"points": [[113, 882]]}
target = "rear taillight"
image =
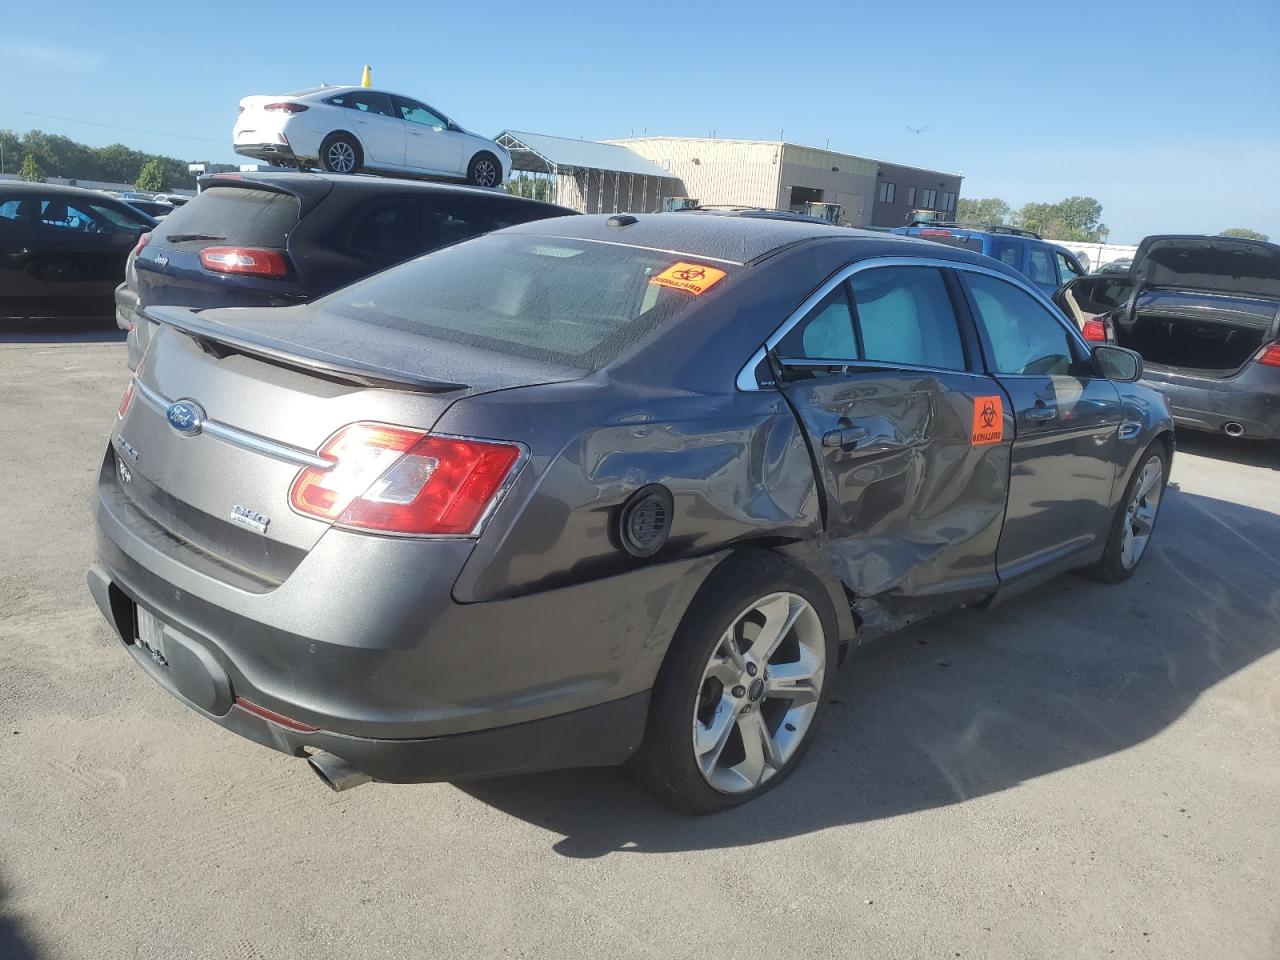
{"points": [[126, 400], [935, 233], [1094, 330], [396, 480], [1270, 355], [251, 261], [260, 711], [143, 240], [286, 107]]}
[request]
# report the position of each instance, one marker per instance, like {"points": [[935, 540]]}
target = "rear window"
{"points": [[953, 239], [234, 215], [569, 302]]}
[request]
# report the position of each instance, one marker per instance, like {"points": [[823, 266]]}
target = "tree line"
{"points": [[36, 155], [1078, 219]]}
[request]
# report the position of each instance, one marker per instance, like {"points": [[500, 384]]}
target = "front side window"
{"points": [[1009, 253], [904, 316], [79, 217], [1040, 267], [1022, 336], [414, 112], [826, 333], [1066, 269]]}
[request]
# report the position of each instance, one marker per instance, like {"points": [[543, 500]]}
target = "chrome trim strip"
{"points": [[637, 246], [746, 380], [240, 438]]}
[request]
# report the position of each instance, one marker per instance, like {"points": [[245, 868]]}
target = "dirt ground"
{"points": [[1087, 771]]}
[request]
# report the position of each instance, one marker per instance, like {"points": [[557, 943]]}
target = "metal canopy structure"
{"points": [[587, 176]]}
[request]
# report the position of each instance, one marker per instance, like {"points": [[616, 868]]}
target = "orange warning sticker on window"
{"points": [[692, 278], [988, 420]]}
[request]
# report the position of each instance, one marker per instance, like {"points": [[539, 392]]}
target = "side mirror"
{"points": [[1117, 363]]}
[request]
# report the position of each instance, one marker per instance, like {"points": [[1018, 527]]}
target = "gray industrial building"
{"points": [[901, 190], [764, 173]]}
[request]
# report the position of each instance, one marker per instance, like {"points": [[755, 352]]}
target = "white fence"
{"points": [[1094, 255]]}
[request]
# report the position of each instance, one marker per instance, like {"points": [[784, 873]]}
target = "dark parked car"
{"points": [[1204, 312], [604, 489], [1047, 265], [277, 239], [63, 250], [156, 209]]}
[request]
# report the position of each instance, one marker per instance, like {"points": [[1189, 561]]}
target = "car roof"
{"points": [[758, 212], [292, 181], [21, 187], [730, 239]]}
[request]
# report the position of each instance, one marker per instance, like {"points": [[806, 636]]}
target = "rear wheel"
{"points": [[1135, 519], [340, 154], [737, 699], [484, 170]]}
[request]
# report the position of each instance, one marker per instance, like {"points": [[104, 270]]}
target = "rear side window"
{"points": [[1022, 336], [1040, 267], [365, 101], [234, 215], [446, 223], [569, 302], [905, 316], [389, 230], [1008, 252], [10, 209]]}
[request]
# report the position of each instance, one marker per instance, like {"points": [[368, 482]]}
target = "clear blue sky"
{"points": [[1168, 112]]}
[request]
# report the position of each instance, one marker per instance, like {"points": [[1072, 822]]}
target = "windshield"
{"points": [[240, 215], [572, 302]]}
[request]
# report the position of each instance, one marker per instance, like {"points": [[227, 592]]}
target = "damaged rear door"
{"points": [[911, 443]]}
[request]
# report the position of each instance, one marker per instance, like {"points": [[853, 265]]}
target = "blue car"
{"points": [[1046, 265]]}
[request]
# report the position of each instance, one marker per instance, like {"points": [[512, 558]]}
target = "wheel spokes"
{"points": [[781, 614], [794, 681], [709, 740], [760, 753]]}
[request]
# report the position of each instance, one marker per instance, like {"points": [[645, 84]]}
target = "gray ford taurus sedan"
{"points": [[602, 490]]}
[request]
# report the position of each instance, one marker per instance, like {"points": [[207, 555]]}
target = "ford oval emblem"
{"points": [[185, 416]]}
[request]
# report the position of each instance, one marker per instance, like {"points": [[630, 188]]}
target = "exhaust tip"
{"points": [[1233, 429], [335, 773]]}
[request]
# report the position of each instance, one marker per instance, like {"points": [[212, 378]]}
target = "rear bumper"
{"points": [[601, 735], [280, 154], [1250, 398]]}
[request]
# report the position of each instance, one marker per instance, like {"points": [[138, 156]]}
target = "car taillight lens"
{"points": [[1270, 355], [143, 240], [126, 400], [396, 480], [286, 107], [1094, 330], [250, 261]]}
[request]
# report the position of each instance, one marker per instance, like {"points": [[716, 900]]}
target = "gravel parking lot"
{"points": [[1083, 772]]}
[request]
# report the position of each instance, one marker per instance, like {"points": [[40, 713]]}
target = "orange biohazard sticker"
{"points": [[695, 278], [988, 420]]}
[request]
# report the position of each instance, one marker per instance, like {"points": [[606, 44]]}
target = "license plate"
{"points": [[151, 637]]}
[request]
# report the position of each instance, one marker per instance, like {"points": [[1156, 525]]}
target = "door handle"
{"points": [[844, 436], [1042, 412]]}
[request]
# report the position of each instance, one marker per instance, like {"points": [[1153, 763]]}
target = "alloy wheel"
{"points": [[341, 157], [485, 174], [1140, 513], [759, 693]]}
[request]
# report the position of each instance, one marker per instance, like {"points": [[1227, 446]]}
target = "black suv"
{"points": [[277, 239]]}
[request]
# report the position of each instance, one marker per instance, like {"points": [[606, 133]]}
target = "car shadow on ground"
{"points": [[56, 331], [13, 945], [975, 703], [1253, 453]]}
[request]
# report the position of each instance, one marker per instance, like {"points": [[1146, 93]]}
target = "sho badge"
{"points": [[249, 518], [988, 420]]}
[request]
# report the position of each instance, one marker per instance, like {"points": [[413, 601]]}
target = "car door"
{"points": [[430, 145], [1065, 425], [374, 121], [17, 239], [78, 257], [879, 372]]}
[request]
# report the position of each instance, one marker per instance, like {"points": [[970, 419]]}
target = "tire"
{"points": [[484, 170], [706, 702], [1135, 518], [340, 153]]}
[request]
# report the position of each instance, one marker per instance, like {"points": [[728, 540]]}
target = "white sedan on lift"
{"points": [[350, 129]]}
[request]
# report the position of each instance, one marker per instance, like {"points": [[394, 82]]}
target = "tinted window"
{"points": [[446, 223], [389, 229], [59, 215], [569, 302], [1008, 252], [257, 218], [415, 112], [1023, 337], [905, 316], [1040, 266], [366, 101], [826, 333], [10, 210]]}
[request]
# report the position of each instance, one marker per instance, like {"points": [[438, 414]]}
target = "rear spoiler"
{"points": [[220, 338], [306, 189]]}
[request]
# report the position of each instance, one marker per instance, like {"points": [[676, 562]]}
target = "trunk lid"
{"points": [[1246, 268], [267, 404]]}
